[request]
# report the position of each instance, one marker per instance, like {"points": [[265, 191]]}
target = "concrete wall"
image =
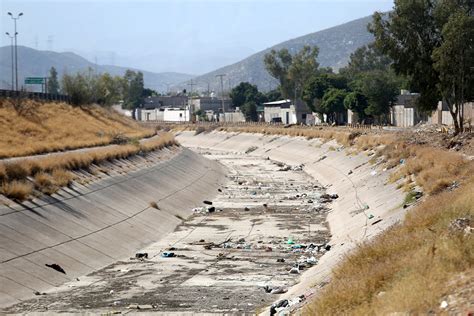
{"points": [[84, 228], [402, 116], [150, 115], [349, 220], [177, 115]]}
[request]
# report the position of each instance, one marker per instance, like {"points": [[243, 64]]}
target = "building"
{"points": [[169, 114], [210, 104], [284, 111], [165, 101], [404, 112], [442, 116], [232, 117]]}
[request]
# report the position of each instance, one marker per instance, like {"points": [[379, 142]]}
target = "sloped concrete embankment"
{"points": [[367, 204], [84, 228]]}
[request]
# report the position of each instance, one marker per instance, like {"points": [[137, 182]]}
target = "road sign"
{"points": [[34, 80]]}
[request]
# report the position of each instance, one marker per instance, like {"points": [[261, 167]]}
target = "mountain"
{"points": [[36, 63], [335, 47]]}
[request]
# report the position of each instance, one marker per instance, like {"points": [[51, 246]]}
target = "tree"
{"points": [[303, 66], [410, 35], [380, 89], [357, 102], [292, 70], [249, 109], [133, 89], [316, 86], [453, 60], [246, 96], [366, 58], [53, 83], [332, 103], [109, 90], [273, 95], [147, 92], [77, 88], [278, 63]]}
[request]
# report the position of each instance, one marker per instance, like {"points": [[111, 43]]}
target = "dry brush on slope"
{"points": [[48, 173], [36, 127]]}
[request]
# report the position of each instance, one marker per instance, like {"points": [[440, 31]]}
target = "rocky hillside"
{"points": [[36, 63], [336, 44]]}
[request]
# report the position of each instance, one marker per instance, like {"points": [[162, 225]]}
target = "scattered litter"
{"points": [[136, 306], [275, 290], [295, 270], [298, 168], [377, 221], [56, 267], [350, 172], [461, 224], [280, 260], [207, 202], [373, 173], [211, 209], [370, 216], [321, 158], [141, 255], [290, 241], [39, 293], [278, 306], [168, 254], [443, 305]]}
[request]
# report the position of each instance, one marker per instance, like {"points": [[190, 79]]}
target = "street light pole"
{"points": [[16, 46], [11, 45]]}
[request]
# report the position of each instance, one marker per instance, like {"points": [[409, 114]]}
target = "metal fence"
{"points": [[34, 95]]}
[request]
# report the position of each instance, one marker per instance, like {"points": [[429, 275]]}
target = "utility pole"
{"points": [[222, 95], [13, 62], [16, 46], [191, 105]]}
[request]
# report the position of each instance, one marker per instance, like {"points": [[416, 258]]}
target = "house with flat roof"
{"points": [[286, 112]]}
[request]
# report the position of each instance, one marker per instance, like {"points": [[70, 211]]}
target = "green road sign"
{"points": [[34, 80]]}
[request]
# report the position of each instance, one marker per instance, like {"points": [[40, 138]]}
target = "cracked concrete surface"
{"points": [[223, 259]]}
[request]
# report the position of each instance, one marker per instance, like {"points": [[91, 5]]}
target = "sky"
{"points": [[188, 36]]}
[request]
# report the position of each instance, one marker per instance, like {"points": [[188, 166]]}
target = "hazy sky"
{"points": [[193, 36]]}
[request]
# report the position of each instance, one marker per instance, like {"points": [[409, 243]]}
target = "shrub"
{"points": [[45, 183], [16, 190], [62, 177], [17, 170]]}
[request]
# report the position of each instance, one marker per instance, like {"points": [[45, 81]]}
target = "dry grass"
{"points": [[407, 268], [16, 190], [434, 169], [51, 172], [48, 127]]}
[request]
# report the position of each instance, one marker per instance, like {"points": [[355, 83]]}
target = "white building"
{"points": [[284, 111], [164, 114]]}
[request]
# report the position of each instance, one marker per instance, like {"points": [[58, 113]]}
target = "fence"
{"points": [[34, 95], [275, 124]]}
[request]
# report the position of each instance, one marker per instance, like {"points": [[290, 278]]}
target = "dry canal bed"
{"points": [[268, 220]]}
